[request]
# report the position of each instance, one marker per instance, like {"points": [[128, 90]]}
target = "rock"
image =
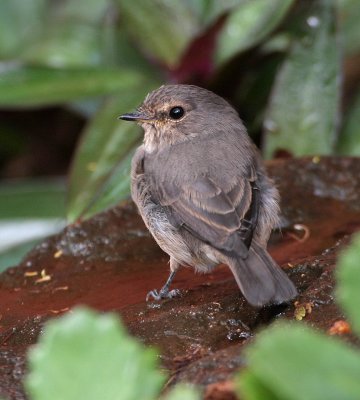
{"points": [[110, 262]]}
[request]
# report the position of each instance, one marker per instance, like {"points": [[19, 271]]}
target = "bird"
{"points": [[201, 188]]}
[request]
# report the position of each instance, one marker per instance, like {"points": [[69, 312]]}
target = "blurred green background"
{"points": [[68, 68]]}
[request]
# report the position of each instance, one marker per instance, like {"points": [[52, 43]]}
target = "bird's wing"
{"points": [[221, 213]]}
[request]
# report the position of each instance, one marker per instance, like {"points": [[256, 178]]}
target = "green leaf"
{"points": [[183, 392], [253, 93], [208, 11], [116, 189], [247, 25], [254, 388], [304, 107], [67, 44], [91, 11], [72, 35], [348, 275], [88, 356], [20, 25], [29, 211], [349, 15], [297, 363], [161, 28], [32, 198], [349, 140], [128, 56], [21, 86], [102, 161]]}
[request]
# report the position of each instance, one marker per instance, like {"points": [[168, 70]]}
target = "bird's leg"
{"points": [[165, 292]]}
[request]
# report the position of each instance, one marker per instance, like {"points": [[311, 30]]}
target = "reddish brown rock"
{"points": [[110, 262]]}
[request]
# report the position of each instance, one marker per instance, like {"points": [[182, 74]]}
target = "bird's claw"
{"points": [[162, 294], [173, 293], [153, 294]]}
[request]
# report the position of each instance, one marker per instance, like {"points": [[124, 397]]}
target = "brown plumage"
{"points": [[201, 188]]}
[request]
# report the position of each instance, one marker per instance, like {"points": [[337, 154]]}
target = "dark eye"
{"points": [[176, 112]]}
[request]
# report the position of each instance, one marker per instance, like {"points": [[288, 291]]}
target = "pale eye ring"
{"points": [[176, 113]]}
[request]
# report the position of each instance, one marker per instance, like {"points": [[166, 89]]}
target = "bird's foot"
{"points": [[162, 294]]}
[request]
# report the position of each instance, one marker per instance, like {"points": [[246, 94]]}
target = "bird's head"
{"points": [[176, 113]]}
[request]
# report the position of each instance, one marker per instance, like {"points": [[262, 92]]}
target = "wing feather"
{"points": [[209, 200], [210, 213]]}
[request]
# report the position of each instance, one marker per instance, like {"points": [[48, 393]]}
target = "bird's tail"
{"points": [[260, 279]]}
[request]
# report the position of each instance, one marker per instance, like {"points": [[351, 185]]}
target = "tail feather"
{"points": [[260, 279]]}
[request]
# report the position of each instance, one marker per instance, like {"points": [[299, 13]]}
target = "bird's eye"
{"points": [[176, 112]]}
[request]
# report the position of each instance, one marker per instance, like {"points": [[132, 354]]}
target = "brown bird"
{"points": [[203, 193]]}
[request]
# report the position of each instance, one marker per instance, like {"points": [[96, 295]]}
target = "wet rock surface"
{"points": [[110, 262]]}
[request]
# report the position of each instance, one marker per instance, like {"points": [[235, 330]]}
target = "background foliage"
{"points": [[286, 65]]}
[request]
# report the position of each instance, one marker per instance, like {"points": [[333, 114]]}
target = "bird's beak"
{"points": [[137, 116]]}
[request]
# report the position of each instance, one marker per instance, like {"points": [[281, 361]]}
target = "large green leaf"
{"points": [[348, 290], [247, 25], [89, 356], [296, 363], [101, 164], [254, 388], [20, 25], [32, 198], [25, 86], [304, 107], [72, 35], [68, 44], [162, 28], [349, 140]]}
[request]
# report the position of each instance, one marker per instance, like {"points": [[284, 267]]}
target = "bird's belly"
{"points": [[185, 250], [172, 242], [166, 235]]}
